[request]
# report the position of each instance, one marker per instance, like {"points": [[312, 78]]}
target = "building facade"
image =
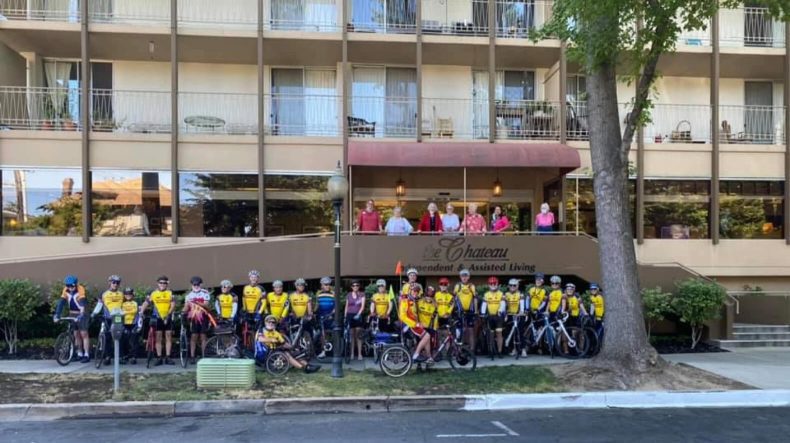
{"points": [[130, 125]]}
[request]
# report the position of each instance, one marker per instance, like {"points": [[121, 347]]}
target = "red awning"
{"points": [[462, 154]]}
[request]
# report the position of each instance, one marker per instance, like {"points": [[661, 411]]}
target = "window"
{"points": [[384, 102], [297, 204], [42, 201], [218, 205], [677, 209], [751, 209], [515, 17], [131, 203], [304, 102], [580, 205]]}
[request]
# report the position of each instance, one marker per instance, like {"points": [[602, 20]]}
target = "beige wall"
{"points": [[12, 67]]}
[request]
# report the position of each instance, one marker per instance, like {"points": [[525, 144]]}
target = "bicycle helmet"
{"points": [[444, 281], [356, 282], [555, 279], [114, 279], [70, 280], [194, 281], [270, 318], [127, 290], [254, 273], [226, 284], [300, 282], [277, 284], [493, 280], [512, 282], [464, 272], [411, 271], [381, 282], [539, 276], [593, 286], [570, 285], [163, 278], [326, 281], [430, 291]]}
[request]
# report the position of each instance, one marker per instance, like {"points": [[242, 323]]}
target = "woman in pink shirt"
{"points": [[544, 221], [499, 220], [474, 223], [369, 220]]}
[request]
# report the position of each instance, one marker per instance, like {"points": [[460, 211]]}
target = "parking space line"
{"points": [[501, 426], [469, 435]]}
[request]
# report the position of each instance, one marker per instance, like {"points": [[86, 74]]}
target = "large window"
{"points": [[304, 102], [677, 209], [218, 205], [42, 201], [131, 203], [751, 209], [580, 205], [297, 204]]}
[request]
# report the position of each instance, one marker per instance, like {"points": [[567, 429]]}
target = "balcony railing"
{"points": [[750, 27], [45, 10], [390, 117], [752, 124], [454, 118], [145, 112], [382, 16], [137, 12], [217, 113], [455, 17], [517, 18], [236, 13], [674, 123], [527, 119], [41, 109], [303, 15], [303, 115]]}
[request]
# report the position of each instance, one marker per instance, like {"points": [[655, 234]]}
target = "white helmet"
{"points": [[300, 282], [277, 284], [512, 282], [411, 271], [381, 282], [556, 279], [226, 284]]}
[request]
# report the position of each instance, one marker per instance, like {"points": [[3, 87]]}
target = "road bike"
{"points": [[299, 338], [542, 336], [101, 351], [457, 354], [224, 343], [183, 344], [515, 335], [570, 341], [65, 343]]}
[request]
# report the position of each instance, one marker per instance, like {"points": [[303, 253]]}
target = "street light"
{"points": [[337, 188]]}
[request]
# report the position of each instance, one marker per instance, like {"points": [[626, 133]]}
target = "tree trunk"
{"points": [[625, 349]]}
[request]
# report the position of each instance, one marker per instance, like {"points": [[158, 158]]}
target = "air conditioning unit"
{"points": [[221, 373]]}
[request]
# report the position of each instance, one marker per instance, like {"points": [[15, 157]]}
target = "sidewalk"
{"points": [[765, 368]]}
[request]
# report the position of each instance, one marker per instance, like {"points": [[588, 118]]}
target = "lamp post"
{"points": [[337, 188]]}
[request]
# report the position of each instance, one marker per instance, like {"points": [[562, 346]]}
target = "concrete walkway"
{"points": [[765, 368]]}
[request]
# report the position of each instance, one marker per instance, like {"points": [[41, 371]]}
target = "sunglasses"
{"points": [[70, 286], [163, 282], [513, 286], [355, 285]]}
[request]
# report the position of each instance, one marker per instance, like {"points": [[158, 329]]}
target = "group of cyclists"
{"points": [[265, 320]]}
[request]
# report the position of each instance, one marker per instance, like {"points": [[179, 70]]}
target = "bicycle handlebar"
{"points": [[68, 319]]}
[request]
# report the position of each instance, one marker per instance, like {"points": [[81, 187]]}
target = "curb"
{"points": [[491, 402]]}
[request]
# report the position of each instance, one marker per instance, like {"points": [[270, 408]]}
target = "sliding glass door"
{"points": [[303, 102]]}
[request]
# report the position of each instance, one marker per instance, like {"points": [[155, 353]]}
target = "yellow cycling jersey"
{"points": [[597, 302], [299, 304], [381, 302], [112, 300], [162, 301], [278, 304], [573, 306], [407, 311], [466, 295], [444, 303], [555, 301], [426, 308], [272, 338], [225, 302], [406, 290], [493, 301], [129, 309], [513, 301], [536, 298], [250, 298]]}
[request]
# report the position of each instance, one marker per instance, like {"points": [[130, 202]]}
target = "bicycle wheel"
{"points": [[64, 348], [529, 339], [594, 343], [183, 348], [304, 345], [277, 363], [150, 344], [221, 346], [346, 351], [462, 358], [549, 340], [395, 361], [101, 350], [571, 344]]}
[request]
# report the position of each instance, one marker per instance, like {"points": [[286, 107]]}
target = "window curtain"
{"points": [[287, 14], [320, 15], [288, 116], [480, 103], [368, 92], [320, 102], [368, 15], [401, 14], [57, 75], [400, 113]]}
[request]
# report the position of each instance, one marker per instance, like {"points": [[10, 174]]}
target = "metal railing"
{"points": [[751, 27], [303, 115], [138, 12], [390, 117], [235, 13], [44, 10], [752, 124], [303, 15], [699, 37], [382, 16], [445, 118], [527, 119], [217, 113], [455, 17], [517, 18], [41, 109], [675, 123], [145, 112]]}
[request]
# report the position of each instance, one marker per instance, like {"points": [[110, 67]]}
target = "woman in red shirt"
{"points": [[431, 221], [369, 220]]}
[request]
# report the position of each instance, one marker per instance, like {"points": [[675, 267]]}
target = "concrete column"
{"points": [[714, 122], [563, 94], [261, 124], [174, 206], [787, 135], [419, 70], [85, 122], [491, 71], [345, 106]]}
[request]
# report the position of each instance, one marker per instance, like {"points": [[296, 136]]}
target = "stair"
{"points": [[757, 336]]}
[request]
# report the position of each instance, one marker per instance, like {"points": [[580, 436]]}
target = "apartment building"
{"points": [[130, 125]]}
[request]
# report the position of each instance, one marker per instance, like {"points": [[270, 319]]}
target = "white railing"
{"points": [[752, 124], [138, 12], [577, 121], [394, 117], [146, 112], [234, 13], [303, 15], [303, 115], [217, 113], [675, 123], [751, 27], [699, 37], [45, 10], [43, 109], [385, 16], [517, 18], [456, 17], [527, 119], [448, 118]]}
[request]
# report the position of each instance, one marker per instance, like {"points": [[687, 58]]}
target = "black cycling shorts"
{"points": [[161, 325], [496, 322], [198, 327]]}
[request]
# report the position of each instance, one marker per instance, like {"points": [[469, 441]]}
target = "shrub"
{"points": [[18, 301], [657, 304], [697, 302]]}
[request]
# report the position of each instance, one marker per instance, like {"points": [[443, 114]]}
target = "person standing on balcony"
{"points": [[398, 225], [369, 219], [474, 223], [499, 220], [450, 222], [431, 221], [544, 221]]}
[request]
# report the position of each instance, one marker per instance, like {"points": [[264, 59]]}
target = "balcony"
{"points": [[455, 17], [382, 16], [383, 117], [40, 10], [750, 27], [454, 118], [752, 124], [517, 18]]}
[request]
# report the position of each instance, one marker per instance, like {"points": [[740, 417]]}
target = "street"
{"points": [[617, 425]]}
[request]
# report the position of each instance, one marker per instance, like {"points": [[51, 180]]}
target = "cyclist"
{"points": [[537, 297], [253, 300], [325, 300], [110, 300], [227, 303], [597, 307], [302, 306], [196, 311], [131, 327], [445, 302], [407, 313], [164, 304], [411, 280], [381, 306], [426, 310], [494, 309], [73, 295], [277, 301], [514, 300], [270, 339], [556, 304], [355, 309], [574, 304], [465, 297]]}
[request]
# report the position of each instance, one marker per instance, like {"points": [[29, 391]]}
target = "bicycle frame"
{"points": [[560, 327]]}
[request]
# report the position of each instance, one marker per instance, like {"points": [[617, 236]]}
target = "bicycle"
{"points": [[223, 344], [543, 336], [101, 345], [458, 354], [395, 358], [489, 339], [65, 343], [150, 343], [570, 341], [299, 339], [248, 333], [183, 344], [320, 338], [593, 336], [515, 335]]}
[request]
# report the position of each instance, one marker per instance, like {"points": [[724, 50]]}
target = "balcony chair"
{"points": [[444, 127], [359, 127]]}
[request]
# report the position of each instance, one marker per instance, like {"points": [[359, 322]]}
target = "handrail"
{"points": [[703, 277], [760, 293]]}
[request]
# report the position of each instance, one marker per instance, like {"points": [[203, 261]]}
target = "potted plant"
{"points": [[47, 114], [68, 123]]}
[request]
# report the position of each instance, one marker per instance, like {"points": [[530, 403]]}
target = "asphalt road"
{"points": [[659, 425]]}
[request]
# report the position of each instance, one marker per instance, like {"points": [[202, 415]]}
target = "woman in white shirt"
{"points": [[450, 221], [398, 225]]}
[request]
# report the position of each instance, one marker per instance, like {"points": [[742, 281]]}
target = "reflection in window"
{"points": [[580, 205], [218, 205], [297, 204], [131, 203], [676, 209], [42, 202], [751, 209]]}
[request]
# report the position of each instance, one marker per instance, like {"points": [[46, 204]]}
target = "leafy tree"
{"points": [[741, 218], [697, 302], [602, 38], [18, 301], [656, 304]]}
